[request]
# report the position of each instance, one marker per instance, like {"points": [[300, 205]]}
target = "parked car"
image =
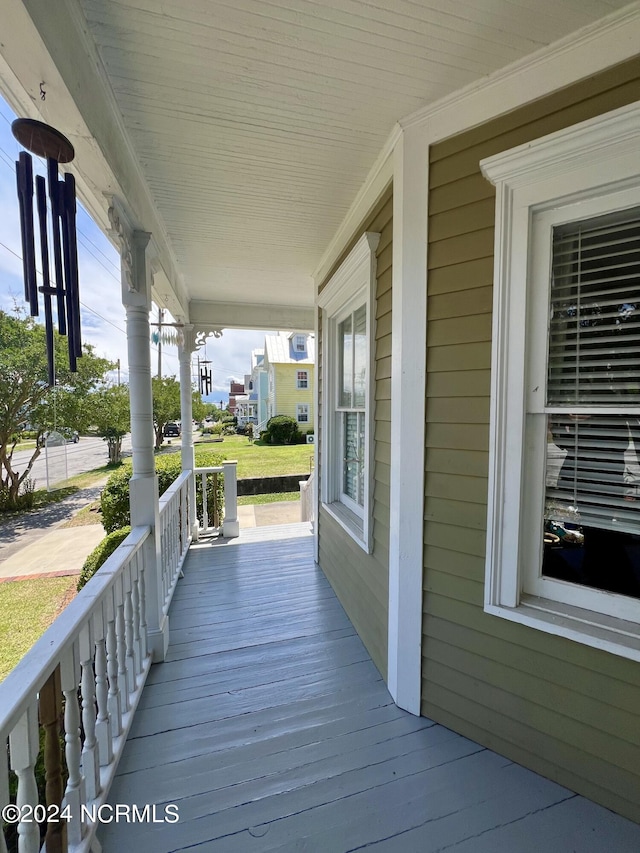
{"points": [[71, 436], [171, 430]]}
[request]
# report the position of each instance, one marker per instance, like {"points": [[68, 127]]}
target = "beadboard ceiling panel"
{"points": [[256, 122]]}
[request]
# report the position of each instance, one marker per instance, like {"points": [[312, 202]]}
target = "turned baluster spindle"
{"points": [[142, 590], [135, 604], [130, 656], [103, 722], [122, 659], [75, 794], [50, 708], [4, 786], [115, 712], [90, 757], [24, 745]]}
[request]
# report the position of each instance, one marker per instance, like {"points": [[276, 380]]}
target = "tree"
{"points": [[111, 415], [26, 398], [166, 404], [199, 408]]}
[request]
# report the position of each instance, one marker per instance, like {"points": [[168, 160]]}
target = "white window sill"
{"points": [[348, 521], [616, 636]]}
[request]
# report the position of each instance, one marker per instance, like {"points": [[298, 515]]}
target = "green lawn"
{"points": [[263, 460], [274, 497], [27, 608]]}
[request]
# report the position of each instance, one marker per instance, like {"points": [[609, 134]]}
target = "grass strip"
{"points": [[27, 608]]}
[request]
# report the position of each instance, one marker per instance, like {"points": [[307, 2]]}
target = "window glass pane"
{"points": [[595, 311], [353, 447], [345, 354], [592, 502], [359, 356]]}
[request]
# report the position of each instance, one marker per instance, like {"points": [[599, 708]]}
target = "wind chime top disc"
{"points": [[43, 140]]}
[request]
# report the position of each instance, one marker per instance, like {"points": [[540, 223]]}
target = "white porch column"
{"points": [[185, 351], [143, 487], [408, 376]]}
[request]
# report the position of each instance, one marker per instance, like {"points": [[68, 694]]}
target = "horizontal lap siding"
{"points": [[361, 581], [565, 710]]}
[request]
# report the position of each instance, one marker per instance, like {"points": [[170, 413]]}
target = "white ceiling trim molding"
{"points": [[248, 315], [591, 49]]}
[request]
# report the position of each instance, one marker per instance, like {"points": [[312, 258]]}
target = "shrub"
{"points": [[282, 429], [100, 554], [114, 502]]}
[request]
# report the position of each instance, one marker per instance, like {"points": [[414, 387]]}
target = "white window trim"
{"points": [[568, 170], [352, 285], [299, 339], [302, 408], [304, 387]]}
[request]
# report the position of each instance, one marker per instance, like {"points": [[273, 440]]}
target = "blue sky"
{"points": [[103, 320]]}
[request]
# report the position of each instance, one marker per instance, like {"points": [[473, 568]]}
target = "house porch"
{"points": [[269, 728]]}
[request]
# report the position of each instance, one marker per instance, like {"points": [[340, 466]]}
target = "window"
{"points": [[302, 379], [300, 343], [563, 539], [347, 398], [302, 413]]}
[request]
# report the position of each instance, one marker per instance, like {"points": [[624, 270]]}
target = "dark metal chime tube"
{"points": [[205, 382], [47, 142]]}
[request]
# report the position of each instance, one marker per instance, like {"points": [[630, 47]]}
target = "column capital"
{"points": [[132, 243]]}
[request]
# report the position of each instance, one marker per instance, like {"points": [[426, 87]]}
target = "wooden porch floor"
{"points": [[270, 729]]}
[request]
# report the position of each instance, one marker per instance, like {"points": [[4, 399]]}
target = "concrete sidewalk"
{"points": [[61, 552], [263, 515], [36, 544]]}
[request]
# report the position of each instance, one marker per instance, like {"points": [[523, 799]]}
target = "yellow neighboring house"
{"points": [[289, 362]]}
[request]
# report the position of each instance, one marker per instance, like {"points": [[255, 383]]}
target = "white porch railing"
{"points": [[90, 666], [89, 669], [211, 522], [175, 537]]}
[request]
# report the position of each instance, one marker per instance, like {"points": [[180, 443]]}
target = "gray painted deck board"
{"points": [[271, 730]]}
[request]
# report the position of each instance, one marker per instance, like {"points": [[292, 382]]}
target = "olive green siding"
{"points": [[361, 580], [566, 710]]}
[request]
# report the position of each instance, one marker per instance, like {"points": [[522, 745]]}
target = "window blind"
{"points": [[594, 361], [594, 329]]}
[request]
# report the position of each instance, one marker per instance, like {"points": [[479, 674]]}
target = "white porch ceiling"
{"points": [[254, 123]]}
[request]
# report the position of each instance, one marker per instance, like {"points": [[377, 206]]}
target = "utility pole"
{"points": [[118, 373]]}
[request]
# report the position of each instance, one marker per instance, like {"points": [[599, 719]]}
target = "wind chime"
{"points": [[44, 141], [204, 376]]}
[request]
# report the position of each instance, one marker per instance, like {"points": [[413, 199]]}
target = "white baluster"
{"points": [[24, 745], [90, 757], [75, 793], [205, 514], [142, 589], [135, 602], [103, 723], [128, 633], [122, 654], [4, 787], [115, 712]]}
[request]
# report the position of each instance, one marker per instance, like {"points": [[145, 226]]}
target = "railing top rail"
{"points": [[23, 682], [216, 469]]}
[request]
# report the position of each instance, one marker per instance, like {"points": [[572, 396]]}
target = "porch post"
{"points": [[185, 351], [143, 486], [408, 377]]}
